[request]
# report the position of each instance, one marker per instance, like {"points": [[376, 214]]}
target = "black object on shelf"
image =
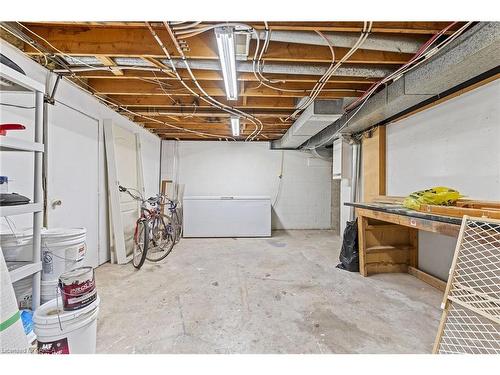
{"points": [[13, 199]]}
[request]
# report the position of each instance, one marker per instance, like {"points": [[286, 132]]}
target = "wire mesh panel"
{"points": [[476, 278], [471, 316], [468, 332]]}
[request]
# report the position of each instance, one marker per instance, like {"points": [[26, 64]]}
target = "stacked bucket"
{"points": [[66, 322], [63, 249]]}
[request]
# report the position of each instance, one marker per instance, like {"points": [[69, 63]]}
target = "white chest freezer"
{"points": [[219, 216]]}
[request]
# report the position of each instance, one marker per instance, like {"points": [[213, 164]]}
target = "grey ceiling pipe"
{"points": [[378, 42], [287, 68]]}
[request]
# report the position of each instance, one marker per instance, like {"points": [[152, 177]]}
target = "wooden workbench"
{"points": [[388, 238]]}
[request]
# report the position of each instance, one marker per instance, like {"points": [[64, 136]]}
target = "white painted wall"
{"points": [[15, 165], [230, 168], [455, 144]]}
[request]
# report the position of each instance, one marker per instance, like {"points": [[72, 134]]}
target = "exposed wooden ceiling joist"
{"points": [[85, 41], [126, 50]]}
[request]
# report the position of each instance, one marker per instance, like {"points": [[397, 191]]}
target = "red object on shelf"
{"points": [[5, 127]]}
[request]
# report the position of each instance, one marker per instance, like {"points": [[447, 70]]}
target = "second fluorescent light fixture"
{"points": [[225, 45], [235, 126]]}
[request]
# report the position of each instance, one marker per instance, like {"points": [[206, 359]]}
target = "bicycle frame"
{"points": [[156, 226]]}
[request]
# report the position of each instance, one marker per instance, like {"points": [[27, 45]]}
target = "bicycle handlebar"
{"points": [[151, 200]]}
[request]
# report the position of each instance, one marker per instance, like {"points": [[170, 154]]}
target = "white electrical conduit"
{"points": [[208, 99], [117, 103], [215, 102], [184, 27], [258, 124], [318, 87], [424, 56], [257, 70]]}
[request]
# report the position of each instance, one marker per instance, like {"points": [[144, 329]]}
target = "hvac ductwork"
{"points": [[314, 119], [470, 55], [391, 43]]}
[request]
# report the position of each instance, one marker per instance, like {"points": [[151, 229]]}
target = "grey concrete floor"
{"points": [[276, 295]]}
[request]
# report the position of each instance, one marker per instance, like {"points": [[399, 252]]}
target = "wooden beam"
{"points": [[214, 113], [427, 278], [139, 87], [90, 41], [106, 61], [373, 163], [186, 103], [412, 28], [391, 27], [210, 75]]}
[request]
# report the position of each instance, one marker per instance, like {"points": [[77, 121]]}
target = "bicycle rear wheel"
{"points": [[162, 240], [141, 243]]}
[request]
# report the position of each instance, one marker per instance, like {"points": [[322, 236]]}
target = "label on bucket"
{"points": [[47, 264], [81, 253], [76, 296], [55, 347], [81, 301]]}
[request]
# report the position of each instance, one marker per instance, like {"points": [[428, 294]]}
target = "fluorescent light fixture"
{"points": [[225, 45], [235, 126]]}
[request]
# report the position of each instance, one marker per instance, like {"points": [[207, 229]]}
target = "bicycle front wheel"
{"points": [[141, 243], [177, 224], [162, 239]]}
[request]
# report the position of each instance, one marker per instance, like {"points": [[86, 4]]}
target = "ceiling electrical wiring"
{"points": [[205, 97], [278, 76], [422, 55], [115, 103]]}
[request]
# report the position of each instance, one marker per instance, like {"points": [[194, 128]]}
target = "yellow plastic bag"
{"points": [[439, 195]]}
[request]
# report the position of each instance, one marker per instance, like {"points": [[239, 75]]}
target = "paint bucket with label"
{"points": [[66, 332], [77, 288], [17, 245], [48, 290], [62, 249]]}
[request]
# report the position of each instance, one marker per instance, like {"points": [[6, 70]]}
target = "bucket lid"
{"points": [[22, 234], [77, 273], [48, 312], [62, 232]]}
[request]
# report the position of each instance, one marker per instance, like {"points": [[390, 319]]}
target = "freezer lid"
{"points": [[227, 197]]}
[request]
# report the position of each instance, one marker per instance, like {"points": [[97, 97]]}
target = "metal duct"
{"points": [[278, 68], [388, 43], [311, 121], [471, 54]]}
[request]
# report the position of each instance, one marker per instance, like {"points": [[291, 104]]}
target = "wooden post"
{"points": [[362, 223], [373, 163]]}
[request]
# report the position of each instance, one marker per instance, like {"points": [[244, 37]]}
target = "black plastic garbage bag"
{"points": [[349, 255]]}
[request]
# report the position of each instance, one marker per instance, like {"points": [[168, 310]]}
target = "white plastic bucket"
{"points": [[66, 332], [17, 246], [62, 249], [48, 291], [24, 291]]}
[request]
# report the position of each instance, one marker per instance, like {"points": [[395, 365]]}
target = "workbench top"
{"points": [[401, 210]]}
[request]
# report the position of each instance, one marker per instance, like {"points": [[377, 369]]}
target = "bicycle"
{"points": [[155, 233]]}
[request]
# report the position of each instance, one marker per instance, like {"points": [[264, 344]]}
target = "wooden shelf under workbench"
{"points": [[388, 238]]}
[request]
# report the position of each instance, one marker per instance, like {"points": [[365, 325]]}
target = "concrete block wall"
{"points": [[454, 144], [301, 201]]}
